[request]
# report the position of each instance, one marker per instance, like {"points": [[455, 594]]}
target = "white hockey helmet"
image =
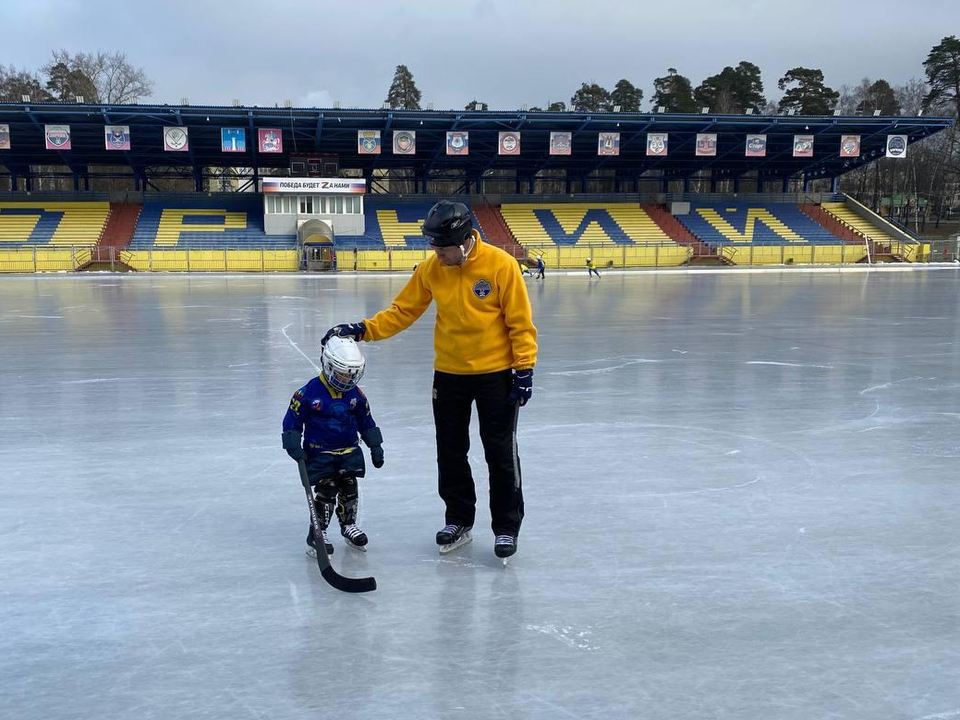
{"points": [[342, 363]]}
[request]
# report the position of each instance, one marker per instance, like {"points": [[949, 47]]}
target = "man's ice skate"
{"points": [[354, 537], [504, 547], [312, 548], [452, 537]]}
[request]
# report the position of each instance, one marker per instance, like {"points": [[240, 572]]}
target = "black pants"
{"points": [[453, 396], [334, 479]]}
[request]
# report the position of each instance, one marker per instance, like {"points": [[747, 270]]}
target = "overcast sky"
{"points": [[500, 52]]}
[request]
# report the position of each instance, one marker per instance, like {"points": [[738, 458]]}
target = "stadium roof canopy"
{"points": [[334, 131]]}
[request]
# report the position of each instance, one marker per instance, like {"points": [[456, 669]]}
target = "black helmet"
{"points": [[448, 224]]}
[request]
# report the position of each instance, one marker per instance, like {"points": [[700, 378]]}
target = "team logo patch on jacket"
{"points": [[317, 405], [481, 289]]}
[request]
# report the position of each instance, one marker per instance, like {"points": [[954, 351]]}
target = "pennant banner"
{"points": [[706, 144], [368, 142], [509, 143], [608, 143], [561, 143], [849, 146], [896, 146], [270, 140], [458, 143], [4, 137], [116, 137], [756, 146], [233, 140], [803, 145], [175, 139], [57, 137], [404, 142], [657, 144]]}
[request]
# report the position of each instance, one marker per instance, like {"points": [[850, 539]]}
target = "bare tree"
{"points": [[116, 80]]}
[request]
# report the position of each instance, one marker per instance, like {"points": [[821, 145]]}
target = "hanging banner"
{"points": [[175, 139], [368, 142], [849, 146], [803, 145], [270, 140], [116, 137], [657, 144], [57, 137], [509, 143], [4, 137], [404, 142], [561, 143], [608, 143], [458, 143], [706, 144], [756, 146], [233, 140], [339, 186], [897, 146]]}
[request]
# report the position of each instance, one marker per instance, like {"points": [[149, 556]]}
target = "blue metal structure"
{"points": [[334, 131]]}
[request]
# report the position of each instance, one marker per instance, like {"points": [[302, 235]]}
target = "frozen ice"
{"points": [[741, 487]]}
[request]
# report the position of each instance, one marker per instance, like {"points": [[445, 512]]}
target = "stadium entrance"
{"points": [[316, 210]]}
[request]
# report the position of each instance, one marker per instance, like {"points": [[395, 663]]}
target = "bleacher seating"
{"points": [[734, 223], [582, 224], [214, 223], [52, 223], [394, 226], [840, 211]]}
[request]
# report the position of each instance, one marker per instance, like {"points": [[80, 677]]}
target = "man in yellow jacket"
{"points": [[486, 347]]}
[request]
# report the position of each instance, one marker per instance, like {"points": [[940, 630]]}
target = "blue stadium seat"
{"points": [[208, 223], [753, 223]]}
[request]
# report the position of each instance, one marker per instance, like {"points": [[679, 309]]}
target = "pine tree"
{"points": [[674, 93], [591, 98], [878, 96], [732, 90], [627, 96], [943, 76], [403, 93], [806, 93]]}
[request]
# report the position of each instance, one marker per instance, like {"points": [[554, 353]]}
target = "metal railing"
{"points": [[38, 259]]}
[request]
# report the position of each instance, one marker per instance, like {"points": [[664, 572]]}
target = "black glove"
{"points": [[291, 443], [522, 387], [352, 330], [374, 440]]}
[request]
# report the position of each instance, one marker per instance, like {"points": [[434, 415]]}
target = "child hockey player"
{"points": [[329, 412]]}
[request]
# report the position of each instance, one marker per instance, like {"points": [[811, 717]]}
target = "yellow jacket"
{"points": [[484, 321]]}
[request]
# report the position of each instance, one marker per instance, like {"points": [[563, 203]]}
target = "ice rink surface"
{"points": [[742, 497]]}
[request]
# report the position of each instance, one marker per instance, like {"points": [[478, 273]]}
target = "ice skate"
{"points": [[354, 537], [452, 537], [504, 547], [311, 546]]}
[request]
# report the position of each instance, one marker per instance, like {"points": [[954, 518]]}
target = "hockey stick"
{"points": [[351, 585]]}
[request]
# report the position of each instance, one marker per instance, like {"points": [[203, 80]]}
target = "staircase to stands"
{"points": [[495, 230], [107, 254]]}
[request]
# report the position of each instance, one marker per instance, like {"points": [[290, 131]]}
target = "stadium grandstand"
{"points": [[322, 189]]}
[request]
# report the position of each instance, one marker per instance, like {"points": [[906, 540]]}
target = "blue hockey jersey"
{"points": [[332, 420]]}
